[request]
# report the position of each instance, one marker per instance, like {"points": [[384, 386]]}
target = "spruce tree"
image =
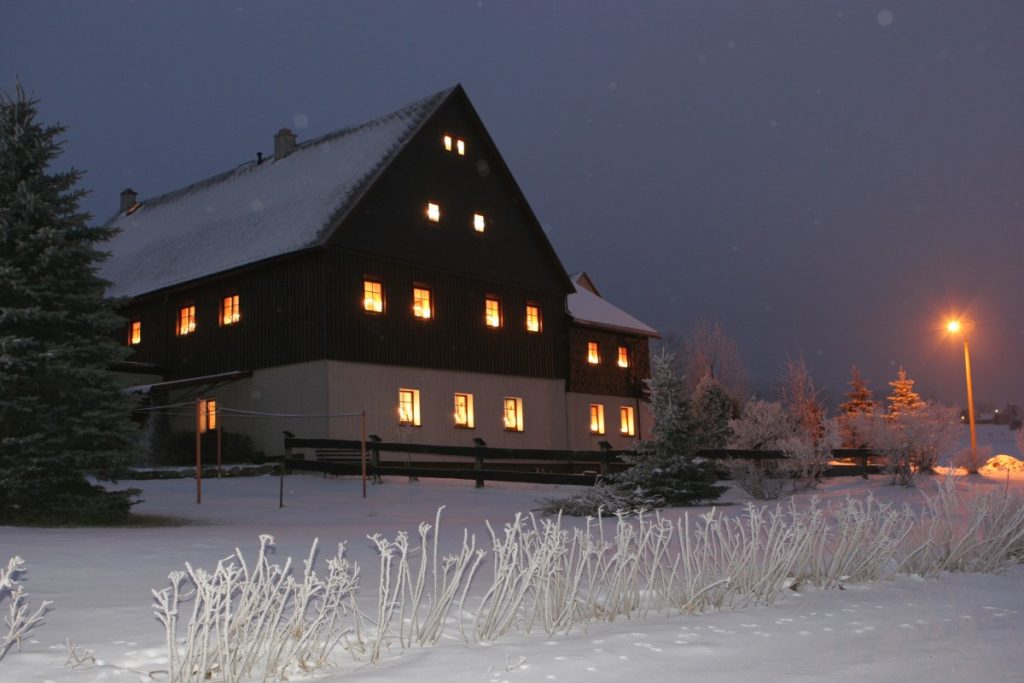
{"points": [[62, 417], [903, 398], [860, 401], [712, 409]]}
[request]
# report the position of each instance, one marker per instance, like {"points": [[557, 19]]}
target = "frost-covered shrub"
{"points": [[761, 479], [911, 440], [21, 619], [970, 459], [761, 426]]}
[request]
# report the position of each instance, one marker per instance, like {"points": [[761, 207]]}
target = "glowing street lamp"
{"points": [[954, 327]]}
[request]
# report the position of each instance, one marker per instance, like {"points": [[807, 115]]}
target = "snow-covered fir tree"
{"points": [[712, 408], [61, 415], [859, 401], [903, 398]]}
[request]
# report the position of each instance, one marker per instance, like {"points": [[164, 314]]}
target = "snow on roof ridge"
{"points": [[588, 308]]}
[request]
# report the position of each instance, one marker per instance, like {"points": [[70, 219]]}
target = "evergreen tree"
{"points": [[860, 401], [903, 398], [712, 409], [665, 470], [61, 415]]}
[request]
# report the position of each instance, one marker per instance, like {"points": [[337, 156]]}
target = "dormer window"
{"points": [[492, 312], [186, 320], [623, 357], [479, 223], [433, 212], [421, 303], [230, 313], [135, 333], [532, 318], [373, 296], [593, 353], [456, 145]]}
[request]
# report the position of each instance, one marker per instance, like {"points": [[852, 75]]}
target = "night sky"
{"points": [[825, 179]]}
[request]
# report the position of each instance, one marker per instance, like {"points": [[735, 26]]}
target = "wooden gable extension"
{"points": [[607, 377]]}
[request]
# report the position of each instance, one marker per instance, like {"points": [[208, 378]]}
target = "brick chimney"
{"points": [[284, 143], [128, 199]]}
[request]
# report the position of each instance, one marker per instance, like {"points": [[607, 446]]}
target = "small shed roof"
{"points": [[586, 307]]}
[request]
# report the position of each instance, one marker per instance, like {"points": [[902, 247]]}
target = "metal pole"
{"points": [[970, 408], [199, 452], [362, 447]]}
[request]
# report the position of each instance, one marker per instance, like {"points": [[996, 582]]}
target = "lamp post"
{"points": [[955, 327]]}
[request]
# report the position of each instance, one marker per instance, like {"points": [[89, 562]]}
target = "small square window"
{"points": [[207, 415], [532, 318], [492, 312], [433, 212], [373, 296], [421, 303], [186, 320], [593, 353], [596, 418], [623, 357], [479, 223], [135, 333], [409, 407], [464, 411], [229, 310], [626, 426], [513, 416]]}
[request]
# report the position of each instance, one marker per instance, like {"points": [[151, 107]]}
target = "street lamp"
{"points": [[955, 327]]}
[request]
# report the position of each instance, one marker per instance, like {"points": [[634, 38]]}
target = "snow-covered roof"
{"points": [[255, 211], [587, 308]]}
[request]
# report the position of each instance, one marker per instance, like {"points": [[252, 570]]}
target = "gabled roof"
{"points": [[256, 211], [586, 307]]}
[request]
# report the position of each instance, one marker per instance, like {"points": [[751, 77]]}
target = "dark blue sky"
{"points": [[823, 178]]}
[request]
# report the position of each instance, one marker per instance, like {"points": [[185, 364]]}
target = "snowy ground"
{"points": [[956, 627]]}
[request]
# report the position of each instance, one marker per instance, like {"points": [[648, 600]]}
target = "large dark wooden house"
{"points": [[394, 268]]}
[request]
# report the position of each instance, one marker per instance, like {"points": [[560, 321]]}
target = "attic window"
{"points": [[421, 303], [593, 353], [135, 333], [532, 318], [229, 310], [492, 312], [433, 212], [623, 357], [186, 320], [457, 145], [479, 224], [373, 296]]}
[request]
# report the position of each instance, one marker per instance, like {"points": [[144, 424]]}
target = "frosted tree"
{"points": [[903, 398], [801, 399], [61, 415], [859, 400], [911, 441], [708, 351], [712, 408], [762, 426]]}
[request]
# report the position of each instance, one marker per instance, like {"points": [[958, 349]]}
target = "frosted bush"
{"points": [[763, 480], [21, 620]]}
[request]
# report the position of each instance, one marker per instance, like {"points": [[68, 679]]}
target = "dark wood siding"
{"points": [[607, 377]]}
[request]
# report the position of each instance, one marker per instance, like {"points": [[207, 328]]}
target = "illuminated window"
{"points": [[186, 320], [460, 147], [448, 143], [409, 407], [593, 354], [626, 426], [492, 312], [623, 357], [207, 414], [479, 224], [464, 411], [373, 296], [433, 212], [421, 307], [456, 144], [135, 333], [513, 418], [532, 318], [596, 418], [229, 311]]}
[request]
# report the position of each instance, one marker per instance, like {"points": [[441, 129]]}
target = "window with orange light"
{"points": [[207, 414], [626, 426], [464, 411], [230, 313], [186, 320], [532, 318], [596, 418], [422, 306], [135, 333], [409, 407], [373, 296], [593, 353], [623, 357], [479, 223], [513, 414], [453, 144], [433, 212], [492, 312]]}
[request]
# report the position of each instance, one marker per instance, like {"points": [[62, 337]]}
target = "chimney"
{"points": [[284, 144], [128, 199]]}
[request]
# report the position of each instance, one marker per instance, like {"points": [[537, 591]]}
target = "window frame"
{"points": [[479, 222], [622, 357], [234, 307], [468, 417], [593, 353], [512, 406], [597, 419], [374, 297], [421, 294], [135, 332], [208, 414], [537, 317], [185, 321], [433, 212], [627, 421], [410, 417], [490, 299]]}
